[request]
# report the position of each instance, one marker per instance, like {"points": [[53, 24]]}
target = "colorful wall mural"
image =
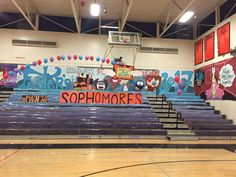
{"points": [[80, 78], [217, 81], [8, 75]]}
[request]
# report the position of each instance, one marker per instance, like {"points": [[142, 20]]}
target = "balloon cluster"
{"points": [[178, 85], [59, 58], [8, 74], [69, 57]]}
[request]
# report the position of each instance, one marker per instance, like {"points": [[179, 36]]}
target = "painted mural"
{"points": [[80, 78], [217, 81], [8, 75]]}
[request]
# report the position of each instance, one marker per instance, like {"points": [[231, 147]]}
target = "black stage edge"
{"points": [[229, 147]]}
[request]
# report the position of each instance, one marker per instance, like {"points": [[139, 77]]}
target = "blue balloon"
{"points": [[27, 65], [113, 62], [81, 57], [45, 60], [97, 59], [176, 87], [63, 57], [11, 73]]}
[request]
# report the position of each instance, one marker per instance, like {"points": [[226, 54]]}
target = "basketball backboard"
{"points": [[124, 38]]}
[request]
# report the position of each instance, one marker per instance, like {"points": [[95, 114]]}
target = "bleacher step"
{"points": [[169, 120], [180, 132], [170, 125], [183, 138]]}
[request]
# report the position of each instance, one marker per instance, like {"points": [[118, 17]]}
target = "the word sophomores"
{"points": [[100, 97]]}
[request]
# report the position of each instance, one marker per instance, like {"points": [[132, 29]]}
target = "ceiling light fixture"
{"points": [[95, 9], [186, 16], [110, 27]]}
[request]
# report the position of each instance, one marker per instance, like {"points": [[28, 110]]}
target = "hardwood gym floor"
{"points": [[33, 160]]}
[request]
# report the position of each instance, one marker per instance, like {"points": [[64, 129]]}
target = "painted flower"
{"points": [[227, 75]]}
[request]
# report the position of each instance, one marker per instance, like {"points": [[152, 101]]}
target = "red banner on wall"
{"points": [[209, 46], [100, 97], [223, 35], [198, 52]]}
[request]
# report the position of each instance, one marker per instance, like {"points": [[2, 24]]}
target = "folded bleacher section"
{"points": [[85, 120], [205, 122]]}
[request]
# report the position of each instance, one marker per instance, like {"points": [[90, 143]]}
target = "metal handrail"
{"points": [[179, 117], [170, 107]]}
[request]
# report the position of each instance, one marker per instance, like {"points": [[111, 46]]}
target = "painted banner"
{"points": [[34, 98], [223, 35], [100, 97], [209, 46], [198, 52], [217, 81], [82, 78], [124, 72]]}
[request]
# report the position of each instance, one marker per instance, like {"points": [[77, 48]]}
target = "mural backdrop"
{"points": [[217, 81], [116, 79], [8, 75]]}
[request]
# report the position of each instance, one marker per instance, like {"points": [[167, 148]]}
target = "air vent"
{"points": [[17, 42], [158, 50]]}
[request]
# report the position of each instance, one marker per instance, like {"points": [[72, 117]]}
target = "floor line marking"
{"points": [[153, 163], [11, 155]]}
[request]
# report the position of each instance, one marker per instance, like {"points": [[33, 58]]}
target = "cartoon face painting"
{"points": [[139, 85], [101, 84], [153, 80]]}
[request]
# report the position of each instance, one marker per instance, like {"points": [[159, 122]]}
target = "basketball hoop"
{"points": [[125, 44]]}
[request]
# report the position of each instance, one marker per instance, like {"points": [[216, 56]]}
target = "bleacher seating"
{"points": [[201, 117], [53, 118]]}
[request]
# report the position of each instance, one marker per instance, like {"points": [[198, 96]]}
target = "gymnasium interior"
{"points": [[116, 88]]}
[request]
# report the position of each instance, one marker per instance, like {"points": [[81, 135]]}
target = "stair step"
{"points": [[5, 96], [180, 132], [157, 111], [183, 138], [180, 126], [172, 120], [166, 115]]}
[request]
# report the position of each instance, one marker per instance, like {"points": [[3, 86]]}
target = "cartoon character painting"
{"points": [[101, 84], [139, 85], [84, 82], [153, 80], [199, 77], [214, 92], [115, 82]]}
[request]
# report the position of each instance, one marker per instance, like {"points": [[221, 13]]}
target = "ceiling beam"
{"points": [[125, 14], [75, 10], [178, 16], [23, 13]]}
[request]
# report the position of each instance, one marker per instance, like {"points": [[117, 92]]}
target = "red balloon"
{"points": [[58, 57], [176, 79], [82, 3], [5, 76], [22, 68], [75, 57], [39, 62], [107, 60], [91, 58]]}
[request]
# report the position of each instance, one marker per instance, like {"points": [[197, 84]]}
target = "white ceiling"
{"points": [[141, 10]]}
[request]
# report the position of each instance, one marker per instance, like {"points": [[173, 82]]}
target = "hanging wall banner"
{"points": [[209, 46], [223, 35], [100, 97], [198, 52]]}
